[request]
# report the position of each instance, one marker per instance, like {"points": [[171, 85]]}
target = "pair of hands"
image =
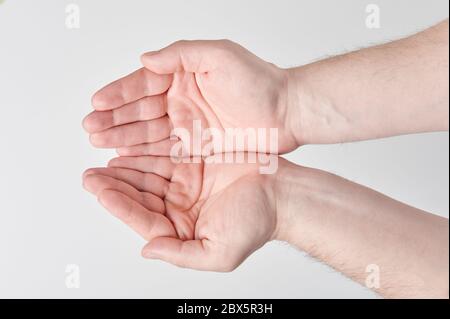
{"points": [[205, 215], [210, 215]]}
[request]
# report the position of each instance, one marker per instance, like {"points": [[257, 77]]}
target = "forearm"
{"points": [[397, 88], [350, 227]]}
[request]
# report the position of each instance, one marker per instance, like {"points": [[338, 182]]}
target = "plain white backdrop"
{"points": [[47, 75]]}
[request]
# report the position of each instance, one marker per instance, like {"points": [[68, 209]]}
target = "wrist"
{"points": [[289, 190], [303, 196], [299, 101]]}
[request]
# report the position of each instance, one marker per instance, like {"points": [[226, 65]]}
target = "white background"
{"points": [[49, 72]]}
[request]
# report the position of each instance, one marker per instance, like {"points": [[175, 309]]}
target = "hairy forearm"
{"points": [[392, 89], [351, 227]]}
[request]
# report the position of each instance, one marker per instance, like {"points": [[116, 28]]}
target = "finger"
{"points": [[161, 166], [161, 148], [133, 134], [195, 254], [143, 182], [146, 223], [189, 56], [145, 109], [96, 183], [130, 88]]}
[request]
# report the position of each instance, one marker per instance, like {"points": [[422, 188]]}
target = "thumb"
{"points": [[189, 56]]}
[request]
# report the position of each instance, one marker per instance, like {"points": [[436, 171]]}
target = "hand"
{"points": [[217, 82], [203, 215]]}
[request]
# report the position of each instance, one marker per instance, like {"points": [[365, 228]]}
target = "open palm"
{"points": [[202, 215], [218, 83]]}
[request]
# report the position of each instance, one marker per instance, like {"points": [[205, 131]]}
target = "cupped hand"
{"points": [[218, 83], [205, 215]]}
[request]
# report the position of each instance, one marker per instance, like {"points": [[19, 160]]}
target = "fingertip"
{"points": [[98, 102], [113, 162], [143, 58], [158, 246], [123, 151], [96, 139], [88, 124], [88, 182], [88, 172], [95, 101], [83, 181], [84, 123], [93, 139], [155, 63], [147, 253]]}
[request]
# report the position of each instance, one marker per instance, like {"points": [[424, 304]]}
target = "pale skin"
{"points": [[211, 216], [202, 216]]}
